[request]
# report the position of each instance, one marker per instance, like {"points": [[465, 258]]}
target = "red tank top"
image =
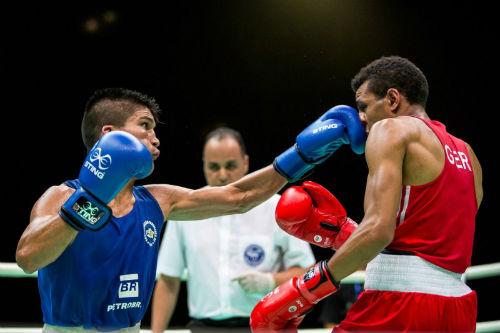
{"points": [[436, 220]]}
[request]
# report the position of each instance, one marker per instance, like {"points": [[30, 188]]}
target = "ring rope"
{"points": [[12, 270]]}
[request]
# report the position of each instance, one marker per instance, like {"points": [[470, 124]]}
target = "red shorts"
{"points": [[395, 311]]}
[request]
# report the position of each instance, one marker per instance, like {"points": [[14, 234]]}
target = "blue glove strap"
{"points": [[291, 165], [84, 211]]}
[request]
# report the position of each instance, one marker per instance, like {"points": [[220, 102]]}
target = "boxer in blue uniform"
{"points": [[94, 240]]}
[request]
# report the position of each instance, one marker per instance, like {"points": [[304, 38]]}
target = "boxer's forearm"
{"points": [[362, 246], [43, 241], [257, 187], [234, 198]]}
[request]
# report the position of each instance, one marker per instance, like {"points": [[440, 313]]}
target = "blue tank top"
{"points": [[104, 280]]}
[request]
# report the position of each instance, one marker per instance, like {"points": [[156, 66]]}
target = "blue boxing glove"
{"points": [[338, 126], [113, 161]]}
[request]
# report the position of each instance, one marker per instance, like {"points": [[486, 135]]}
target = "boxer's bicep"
{"points": [[47, 235], [385, 153], [50, 202], [179, 203]]}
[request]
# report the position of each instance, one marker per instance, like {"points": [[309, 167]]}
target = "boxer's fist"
{"points": [[111, 163], [339, 125], [283, 309], [310, 212], [355, 130]]}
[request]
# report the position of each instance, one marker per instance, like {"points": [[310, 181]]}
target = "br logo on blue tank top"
{"points": [[254, 254], [150, 233]]}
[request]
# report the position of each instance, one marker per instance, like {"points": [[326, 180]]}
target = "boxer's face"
{"points": [[141, 124], [371, 108], [223, 162]]}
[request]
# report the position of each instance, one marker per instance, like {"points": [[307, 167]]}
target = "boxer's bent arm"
{"points": [[47, 235], [385, 151], [179, 203]]}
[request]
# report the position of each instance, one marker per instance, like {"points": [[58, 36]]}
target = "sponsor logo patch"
{"points": [[129, 286]]}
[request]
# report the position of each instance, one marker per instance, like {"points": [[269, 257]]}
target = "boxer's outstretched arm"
{"points": [[316, 143], [180, 203], [47, 235], [385, 151]]}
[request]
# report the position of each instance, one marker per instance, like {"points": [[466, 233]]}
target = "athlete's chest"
{"points": [[121, 240]]}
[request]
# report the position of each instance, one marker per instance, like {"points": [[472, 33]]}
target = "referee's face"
{"points": [[223, 162]]}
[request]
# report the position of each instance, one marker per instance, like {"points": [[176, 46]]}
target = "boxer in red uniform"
{"points": [[422, 195]]}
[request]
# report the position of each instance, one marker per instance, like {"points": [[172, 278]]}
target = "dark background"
{"points": [[266, 68]]}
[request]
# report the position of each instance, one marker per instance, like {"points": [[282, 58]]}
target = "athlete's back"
{"points": [[437, 212]]}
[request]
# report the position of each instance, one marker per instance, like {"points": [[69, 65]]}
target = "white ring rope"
{"points": [[11, 270], [8, 269]]}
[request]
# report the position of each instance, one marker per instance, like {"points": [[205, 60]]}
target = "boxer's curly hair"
{"points": [[394, 72], [113, 106]]}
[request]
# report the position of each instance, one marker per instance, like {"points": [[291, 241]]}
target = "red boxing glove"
{"points": [[310, 212], [283, 309]]}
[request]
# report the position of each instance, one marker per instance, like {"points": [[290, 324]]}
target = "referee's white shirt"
{"points": [[218, 249]]}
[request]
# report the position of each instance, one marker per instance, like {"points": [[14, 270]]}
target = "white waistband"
{"points": [[79, 329], [409, 273]]}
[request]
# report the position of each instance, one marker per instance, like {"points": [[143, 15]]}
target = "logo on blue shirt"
{"points": [[254, 254], [150, 233]]}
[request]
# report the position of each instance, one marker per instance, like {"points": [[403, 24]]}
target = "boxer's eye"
{"points": [[361, 106]]}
